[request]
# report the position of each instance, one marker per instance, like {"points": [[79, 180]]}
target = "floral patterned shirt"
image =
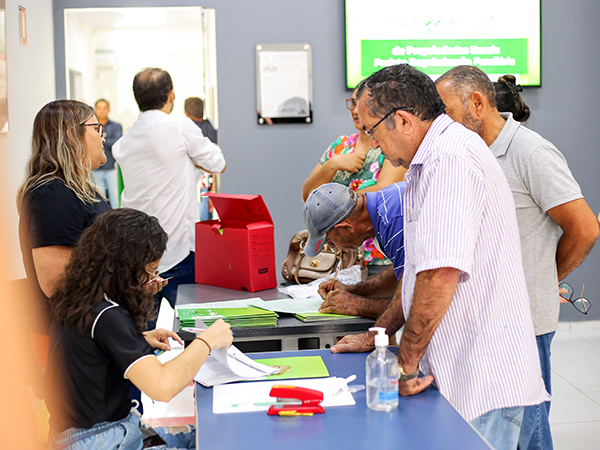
{"points": [[365, 177]]}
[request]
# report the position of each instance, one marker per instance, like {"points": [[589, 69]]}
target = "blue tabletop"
{"points": [[423, 421]]}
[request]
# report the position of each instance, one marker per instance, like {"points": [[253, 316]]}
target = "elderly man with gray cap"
{"points": [[335, 212]]}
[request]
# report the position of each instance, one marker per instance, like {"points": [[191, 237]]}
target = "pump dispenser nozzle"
{"points": [[381, 339]]}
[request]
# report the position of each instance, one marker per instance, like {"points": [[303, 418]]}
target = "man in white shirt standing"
{"points": [[547, 198], [159, 157], [464, 297]]}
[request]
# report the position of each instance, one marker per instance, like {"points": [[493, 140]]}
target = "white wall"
{"points": [[30, 86], [79, 50]]}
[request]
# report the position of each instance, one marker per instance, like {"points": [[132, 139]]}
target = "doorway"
{"points": [[106, 47]]}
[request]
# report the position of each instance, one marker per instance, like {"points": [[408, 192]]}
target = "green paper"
{"points": [[317, 316], [301, 367]]}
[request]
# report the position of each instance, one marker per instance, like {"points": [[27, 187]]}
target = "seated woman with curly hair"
{"points": [[98, 346]]}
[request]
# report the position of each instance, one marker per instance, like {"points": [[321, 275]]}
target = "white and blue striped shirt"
{"points": [[459, 212]]}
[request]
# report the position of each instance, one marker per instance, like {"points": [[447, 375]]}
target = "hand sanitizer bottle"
{"points": [[382, 375]]}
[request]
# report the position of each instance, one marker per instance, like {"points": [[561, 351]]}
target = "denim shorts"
{"points": [[122, 435]]}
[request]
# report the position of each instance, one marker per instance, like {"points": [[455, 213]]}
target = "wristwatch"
{"points": [[407, 376]]}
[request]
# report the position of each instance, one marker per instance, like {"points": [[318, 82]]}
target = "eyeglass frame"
{"points": [[100, 128], [572, 302], [352, 102], [370, 131]]}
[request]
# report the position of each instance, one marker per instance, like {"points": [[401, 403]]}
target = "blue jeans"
{"points": [[535, 432], [501, 427], [106, 180], [122, 435]]}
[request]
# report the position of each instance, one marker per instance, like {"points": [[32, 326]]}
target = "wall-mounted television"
{"points": [[436, 35]]}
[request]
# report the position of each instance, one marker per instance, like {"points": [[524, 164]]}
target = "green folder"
{"points": [[301, 367], [317, 316], [236, 317]]}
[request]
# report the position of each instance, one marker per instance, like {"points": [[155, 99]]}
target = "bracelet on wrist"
{"points": [[207, 344]]}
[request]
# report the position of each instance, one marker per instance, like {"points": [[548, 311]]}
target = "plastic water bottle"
{"points": [[382, 374]]}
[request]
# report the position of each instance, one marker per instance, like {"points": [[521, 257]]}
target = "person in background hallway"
{"points": [[508, 98], [105, 176], [547, 200], [98, 346], [159, 157], [351, 161], [194, 109]]}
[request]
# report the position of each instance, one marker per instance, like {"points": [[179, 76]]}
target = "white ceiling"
{"points": [[128, 18]]}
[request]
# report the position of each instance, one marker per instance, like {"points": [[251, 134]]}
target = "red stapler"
{"points": [[311, 401]]}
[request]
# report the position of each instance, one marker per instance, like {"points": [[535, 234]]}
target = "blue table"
{"points": [[421, 422]]}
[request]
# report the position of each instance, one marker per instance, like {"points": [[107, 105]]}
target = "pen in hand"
{"points": [[334, 277]]}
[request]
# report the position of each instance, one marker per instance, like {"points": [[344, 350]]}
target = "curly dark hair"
{"points": [[110, 258], [508, 98], [151, 87]]}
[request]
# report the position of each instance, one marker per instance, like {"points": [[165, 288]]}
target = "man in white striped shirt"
{"points": [[544, 203], [464, 296]]}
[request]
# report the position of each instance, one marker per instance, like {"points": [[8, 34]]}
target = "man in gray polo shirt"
{"points": [[547, 198]]}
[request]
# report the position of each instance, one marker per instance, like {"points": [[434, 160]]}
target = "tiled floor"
{"points": [[575, 413]]}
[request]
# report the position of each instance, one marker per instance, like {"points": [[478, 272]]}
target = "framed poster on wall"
{"points": [[284, 83]]}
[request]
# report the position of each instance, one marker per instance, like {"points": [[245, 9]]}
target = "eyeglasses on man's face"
{"points": [[98, 126], [401, 108], [581, 303]]}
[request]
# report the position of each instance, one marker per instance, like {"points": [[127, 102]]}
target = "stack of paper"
{"points": [[236, 317], [306, 309], [318, 317], [229, 365]]}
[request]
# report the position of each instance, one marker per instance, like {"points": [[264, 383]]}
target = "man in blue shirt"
{"points": [[335, 212], [105, 176]]}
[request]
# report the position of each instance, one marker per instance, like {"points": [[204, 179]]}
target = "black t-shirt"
{"points": [[52, 214], [91, 368]]}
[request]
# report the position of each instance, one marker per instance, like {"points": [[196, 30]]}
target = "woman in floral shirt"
{"points": [[351, 161]]}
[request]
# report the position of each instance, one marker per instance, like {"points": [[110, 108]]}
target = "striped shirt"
{"points": [[385, 209], [459, 212]]}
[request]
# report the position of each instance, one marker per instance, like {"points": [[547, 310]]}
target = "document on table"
{"points": [[229, 365], [254, 396], [243, 303], [305, 309], [290, 305]]}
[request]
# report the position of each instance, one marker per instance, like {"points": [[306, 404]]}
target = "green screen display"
{"points": [[435, 36]]}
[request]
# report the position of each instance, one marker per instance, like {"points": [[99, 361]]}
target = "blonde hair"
{"points": [[58, 150]]}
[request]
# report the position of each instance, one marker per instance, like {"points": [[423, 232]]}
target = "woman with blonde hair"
{"points": [[58, 199]]}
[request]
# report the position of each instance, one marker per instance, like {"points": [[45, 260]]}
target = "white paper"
{"points": [[291, 306], [229, 365], [254, 396], [351, 275]]}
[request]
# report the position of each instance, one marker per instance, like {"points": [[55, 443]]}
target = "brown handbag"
{"points": [[301, 269]]}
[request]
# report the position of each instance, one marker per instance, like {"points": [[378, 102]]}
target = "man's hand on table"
{"points": [[340, 301], [414, 386], [355, 343], [330, 285]]}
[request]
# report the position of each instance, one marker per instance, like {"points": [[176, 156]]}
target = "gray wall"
{"points": [[274, 161]]}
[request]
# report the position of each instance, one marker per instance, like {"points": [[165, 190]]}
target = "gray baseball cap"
{"points": [[325, 207]]}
